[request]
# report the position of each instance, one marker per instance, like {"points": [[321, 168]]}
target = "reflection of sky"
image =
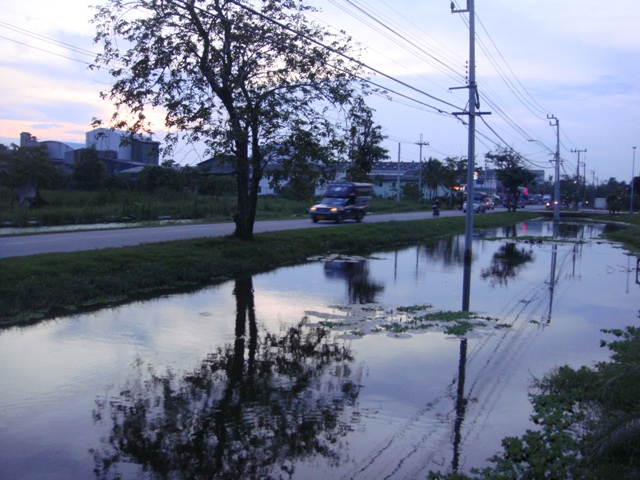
{"points": [[51, 373]]}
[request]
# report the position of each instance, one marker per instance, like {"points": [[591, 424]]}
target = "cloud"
{"points": [[46, 126]]}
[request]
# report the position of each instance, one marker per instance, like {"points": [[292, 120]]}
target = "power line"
{"points": [[46, 51], [333, 50]]}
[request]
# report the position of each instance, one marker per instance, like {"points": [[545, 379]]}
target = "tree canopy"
{"points": [[28, 166], [510, 170], [235, 75]]}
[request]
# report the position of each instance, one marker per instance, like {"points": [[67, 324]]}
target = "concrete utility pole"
{"points": [[398, 182], [578, 151], [473, 104], [421, 143], [633, 172], [584, 188], [556, 192]]}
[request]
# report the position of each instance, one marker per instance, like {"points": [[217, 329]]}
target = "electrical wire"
{"points": [[333, 50]]}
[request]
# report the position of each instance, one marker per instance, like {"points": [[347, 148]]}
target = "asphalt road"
{"points": [[23, 245]]}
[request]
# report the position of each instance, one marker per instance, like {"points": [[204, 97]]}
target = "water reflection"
{"points": [[507, 263], [242, 413], [248, 391], [361, 287]]}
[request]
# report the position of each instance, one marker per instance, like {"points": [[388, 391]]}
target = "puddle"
{"points": [[276, 375]]}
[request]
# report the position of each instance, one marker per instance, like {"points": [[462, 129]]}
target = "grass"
{"points": [[105, 206], [43, 286]]}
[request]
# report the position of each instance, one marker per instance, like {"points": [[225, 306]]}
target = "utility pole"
{"points": [[578, 151], [554, 122], [398, 182], [584, 189], [633, 172], [421, 143], [473, 104]]}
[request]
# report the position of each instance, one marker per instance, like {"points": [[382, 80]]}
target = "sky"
{"points": [[576, 61]]}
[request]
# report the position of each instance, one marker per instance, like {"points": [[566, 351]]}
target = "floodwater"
{"points": [[294, 373]]}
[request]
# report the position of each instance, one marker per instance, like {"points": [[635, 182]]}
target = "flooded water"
{"points": [[312, 372]]}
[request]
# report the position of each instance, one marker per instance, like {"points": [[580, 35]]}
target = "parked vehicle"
{"points": [[343, 201], [478, 207]]}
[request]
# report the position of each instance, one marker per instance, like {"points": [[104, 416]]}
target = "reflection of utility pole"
{"points": [[421, 143], [556, 201], [552, 279], [461, 405]]}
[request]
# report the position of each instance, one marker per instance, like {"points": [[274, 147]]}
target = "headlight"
{"points": [[334, 209], [313, 209]]}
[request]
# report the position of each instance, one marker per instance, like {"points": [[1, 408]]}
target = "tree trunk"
{"points": [[245, 216]]}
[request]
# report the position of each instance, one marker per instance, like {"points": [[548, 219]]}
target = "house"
{"points": [[386, 177]]}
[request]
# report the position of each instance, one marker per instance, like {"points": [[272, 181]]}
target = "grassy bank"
{"points": [[43, 286], [624, 229], [105, 206]]}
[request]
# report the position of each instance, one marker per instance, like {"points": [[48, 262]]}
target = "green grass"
{"points": [[43, 286], [78, 207]]}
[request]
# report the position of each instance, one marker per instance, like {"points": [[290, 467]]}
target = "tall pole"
{"points": [[556, 193], [584, 187], [633, 173], [398, 182], [578, 151], [473, 98], [421, 143]]}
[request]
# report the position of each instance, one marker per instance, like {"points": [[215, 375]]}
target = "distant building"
{"points": [[58, 151], [119, 150], [387, 175]]}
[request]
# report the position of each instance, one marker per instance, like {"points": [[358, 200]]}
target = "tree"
{"points": [[26, 170], [29, 166], [301, 161], [511, 172], [364, 139], [234, 77], [89, 172], [453, 171], [432, 175]]}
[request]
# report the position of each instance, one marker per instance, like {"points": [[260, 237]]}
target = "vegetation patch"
{"points": [[359, 320], [588, 423]]}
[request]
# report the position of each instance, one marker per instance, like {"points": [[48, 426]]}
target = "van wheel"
{"points": [[359, 217], [339, 218], [314, 219]]}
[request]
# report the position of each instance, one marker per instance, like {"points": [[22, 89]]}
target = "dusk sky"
{"points": [[578, 61]]}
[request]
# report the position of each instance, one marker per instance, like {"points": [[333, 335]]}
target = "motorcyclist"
{"points": [[436, 208]]}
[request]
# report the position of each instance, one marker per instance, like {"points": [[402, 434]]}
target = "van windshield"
{"points": [[334, 201]]}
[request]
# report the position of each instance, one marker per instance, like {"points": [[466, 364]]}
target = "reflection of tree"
{"points": [[361, 287], [242, 413], [506, 263], [449, 251]]}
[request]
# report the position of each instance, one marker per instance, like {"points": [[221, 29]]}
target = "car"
{"points": [[478, 207], [488, 203], [343, 201]]}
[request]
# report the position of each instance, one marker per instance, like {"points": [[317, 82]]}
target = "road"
{"points": [[59, 242]]}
